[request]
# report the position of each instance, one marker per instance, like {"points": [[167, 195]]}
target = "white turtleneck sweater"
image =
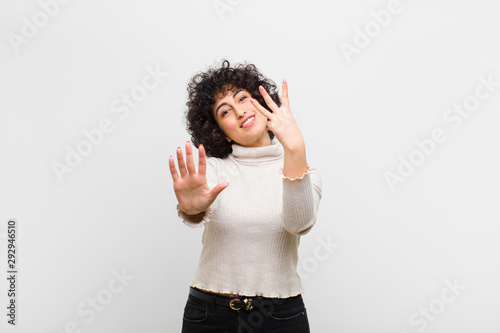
{"points": [[252, 230]]}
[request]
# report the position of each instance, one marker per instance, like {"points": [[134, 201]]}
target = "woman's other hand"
{"points": [[191, 188]]}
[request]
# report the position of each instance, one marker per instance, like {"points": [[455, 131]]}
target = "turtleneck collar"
{"points": [[258, 154]]}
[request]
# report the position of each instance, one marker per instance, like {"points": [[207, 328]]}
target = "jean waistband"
{"points": [[237, 302]]}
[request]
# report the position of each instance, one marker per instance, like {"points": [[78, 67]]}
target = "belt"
{"points": [[234, 302]]}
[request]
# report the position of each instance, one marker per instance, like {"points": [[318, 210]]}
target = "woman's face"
{"points": [[232, 110]]}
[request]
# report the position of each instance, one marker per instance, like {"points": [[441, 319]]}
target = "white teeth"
{"points": [[247, 121]]}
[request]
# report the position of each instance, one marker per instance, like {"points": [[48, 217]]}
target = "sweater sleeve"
{"points": [[198, 221], [301, 197]]}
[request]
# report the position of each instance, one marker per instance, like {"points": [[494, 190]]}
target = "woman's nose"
{"points": [[240, 111]]}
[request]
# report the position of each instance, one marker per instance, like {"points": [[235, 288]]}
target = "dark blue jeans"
{"points": [[287, 315]]}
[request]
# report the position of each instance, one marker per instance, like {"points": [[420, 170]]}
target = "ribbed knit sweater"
{"points": [[252, 230]]}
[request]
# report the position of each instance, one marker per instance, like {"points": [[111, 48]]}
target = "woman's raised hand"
{"points": [[191, 188], [281, 121]]}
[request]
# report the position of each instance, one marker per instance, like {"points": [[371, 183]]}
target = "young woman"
{"points": [[254, 194]]}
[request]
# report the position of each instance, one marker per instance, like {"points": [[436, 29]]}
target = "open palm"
{"points": [[191, 188]]}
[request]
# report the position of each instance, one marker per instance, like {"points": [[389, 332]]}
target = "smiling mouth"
{"points": [[248, 122]]}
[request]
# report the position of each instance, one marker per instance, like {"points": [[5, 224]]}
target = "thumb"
{"points": [[217, 189]]}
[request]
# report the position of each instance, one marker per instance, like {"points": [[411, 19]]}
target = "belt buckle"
{"points": [[246, 301]]}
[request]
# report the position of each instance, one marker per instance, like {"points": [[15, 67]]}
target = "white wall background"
{"points": [[392, 249]]}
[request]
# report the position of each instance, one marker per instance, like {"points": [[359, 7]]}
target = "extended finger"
{"points": [[189, 158], [180, 160], [173, 170], [260, 108], [268, 99], [202, 164], [284, 95]]}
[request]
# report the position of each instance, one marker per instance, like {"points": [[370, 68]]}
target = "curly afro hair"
{"points": [[203, 90]]}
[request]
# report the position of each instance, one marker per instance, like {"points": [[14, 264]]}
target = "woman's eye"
{"points": [[242, 98], [223, 113]]}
